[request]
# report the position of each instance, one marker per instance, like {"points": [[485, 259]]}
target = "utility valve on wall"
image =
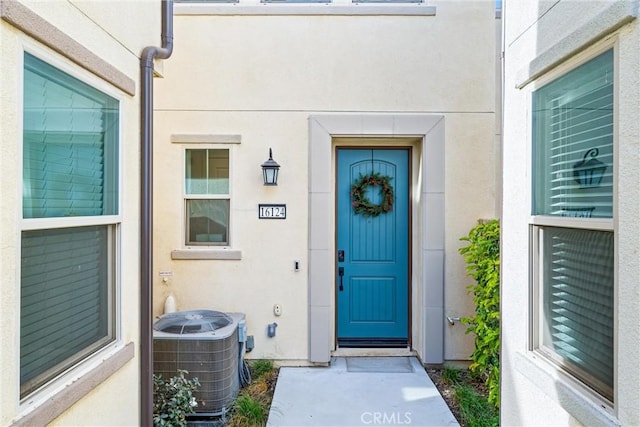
{"points": [[166, 276]]}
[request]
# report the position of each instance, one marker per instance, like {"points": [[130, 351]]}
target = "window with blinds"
{"points": [[573, 126], [573, 171], [70, 169], [207, 197], [577, 301], [69, 147], [65, 300]]}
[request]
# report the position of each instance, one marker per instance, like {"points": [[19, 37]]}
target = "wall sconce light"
{"points": [[270, 171], [589, 173]]}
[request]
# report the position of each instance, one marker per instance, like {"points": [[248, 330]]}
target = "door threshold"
{"points": [[373, 352]]}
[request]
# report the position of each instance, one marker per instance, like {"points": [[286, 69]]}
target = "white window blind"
{"points": [[65, 299], [578, 302], [70, 169], [573, 117], [70, 143]]}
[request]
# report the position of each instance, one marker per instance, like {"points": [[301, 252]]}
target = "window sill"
{"points": [[577, 400], [207, 254], [60, 402], [409, 9]]}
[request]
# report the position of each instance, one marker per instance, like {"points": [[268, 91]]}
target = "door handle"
{"points": [[341, 275], [340, 255]]}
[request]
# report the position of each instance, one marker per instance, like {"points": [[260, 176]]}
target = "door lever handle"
{"points": [[341, 275]]}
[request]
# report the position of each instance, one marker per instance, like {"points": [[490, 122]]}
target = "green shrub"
{"points": [[173, 400], [482, 257]]}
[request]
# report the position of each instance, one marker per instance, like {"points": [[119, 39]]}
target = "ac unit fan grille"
{"points": [[213, 361]]}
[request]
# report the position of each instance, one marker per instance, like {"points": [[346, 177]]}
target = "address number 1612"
{"points": [[272, 211]]}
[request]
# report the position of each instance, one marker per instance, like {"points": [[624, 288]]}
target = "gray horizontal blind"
{"points": [[64, 299], [574, 118], [578, 302], [70, 141]]}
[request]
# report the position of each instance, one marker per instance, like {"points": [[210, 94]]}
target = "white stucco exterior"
{"points": [[541, 41], [302, 79], [94, 42]]}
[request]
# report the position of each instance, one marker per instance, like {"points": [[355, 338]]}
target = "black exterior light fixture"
{"points": [[270, 170], [589, 173]]}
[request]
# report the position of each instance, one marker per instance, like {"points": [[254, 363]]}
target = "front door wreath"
{"points": [[361, 203]]}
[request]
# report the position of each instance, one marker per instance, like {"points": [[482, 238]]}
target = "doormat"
{"points": [[400, 365]]}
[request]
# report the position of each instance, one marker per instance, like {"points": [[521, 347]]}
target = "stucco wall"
{"points": [[543, 37], [261, 76], [99, 35]]}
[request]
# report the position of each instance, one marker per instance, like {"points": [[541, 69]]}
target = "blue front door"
{"points": [[372, 263]]}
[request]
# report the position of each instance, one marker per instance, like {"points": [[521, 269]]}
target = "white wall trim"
{"points": [[57, 404], [584, 406], [40, 29], [606, 22], [222, 254], [198, 138], [305, 9], [430, 238]]}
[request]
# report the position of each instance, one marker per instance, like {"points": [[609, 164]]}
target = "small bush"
{"points": [[173, 400], [482, 256]]}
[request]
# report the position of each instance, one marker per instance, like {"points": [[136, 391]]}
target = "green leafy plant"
{"points": [[482, 256], [173, 399]]}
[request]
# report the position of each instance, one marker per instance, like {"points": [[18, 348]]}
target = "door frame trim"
{"points": [[384, 144], [428, 223]]}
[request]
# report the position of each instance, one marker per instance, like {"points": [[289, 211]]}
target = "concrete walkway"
{"points": [[359, 391]]}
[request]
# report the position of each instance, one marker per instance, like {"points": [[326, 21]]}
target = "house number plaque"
{"points": [[272, 211]]}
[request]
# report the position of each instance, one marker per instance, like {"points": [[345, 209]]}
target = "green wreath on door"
{"points": [[361, 203]]}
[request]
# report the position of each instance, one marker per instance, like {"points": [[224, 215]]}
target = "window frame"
{"points": [[538, 223], [95, 353], [186, 197]]}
